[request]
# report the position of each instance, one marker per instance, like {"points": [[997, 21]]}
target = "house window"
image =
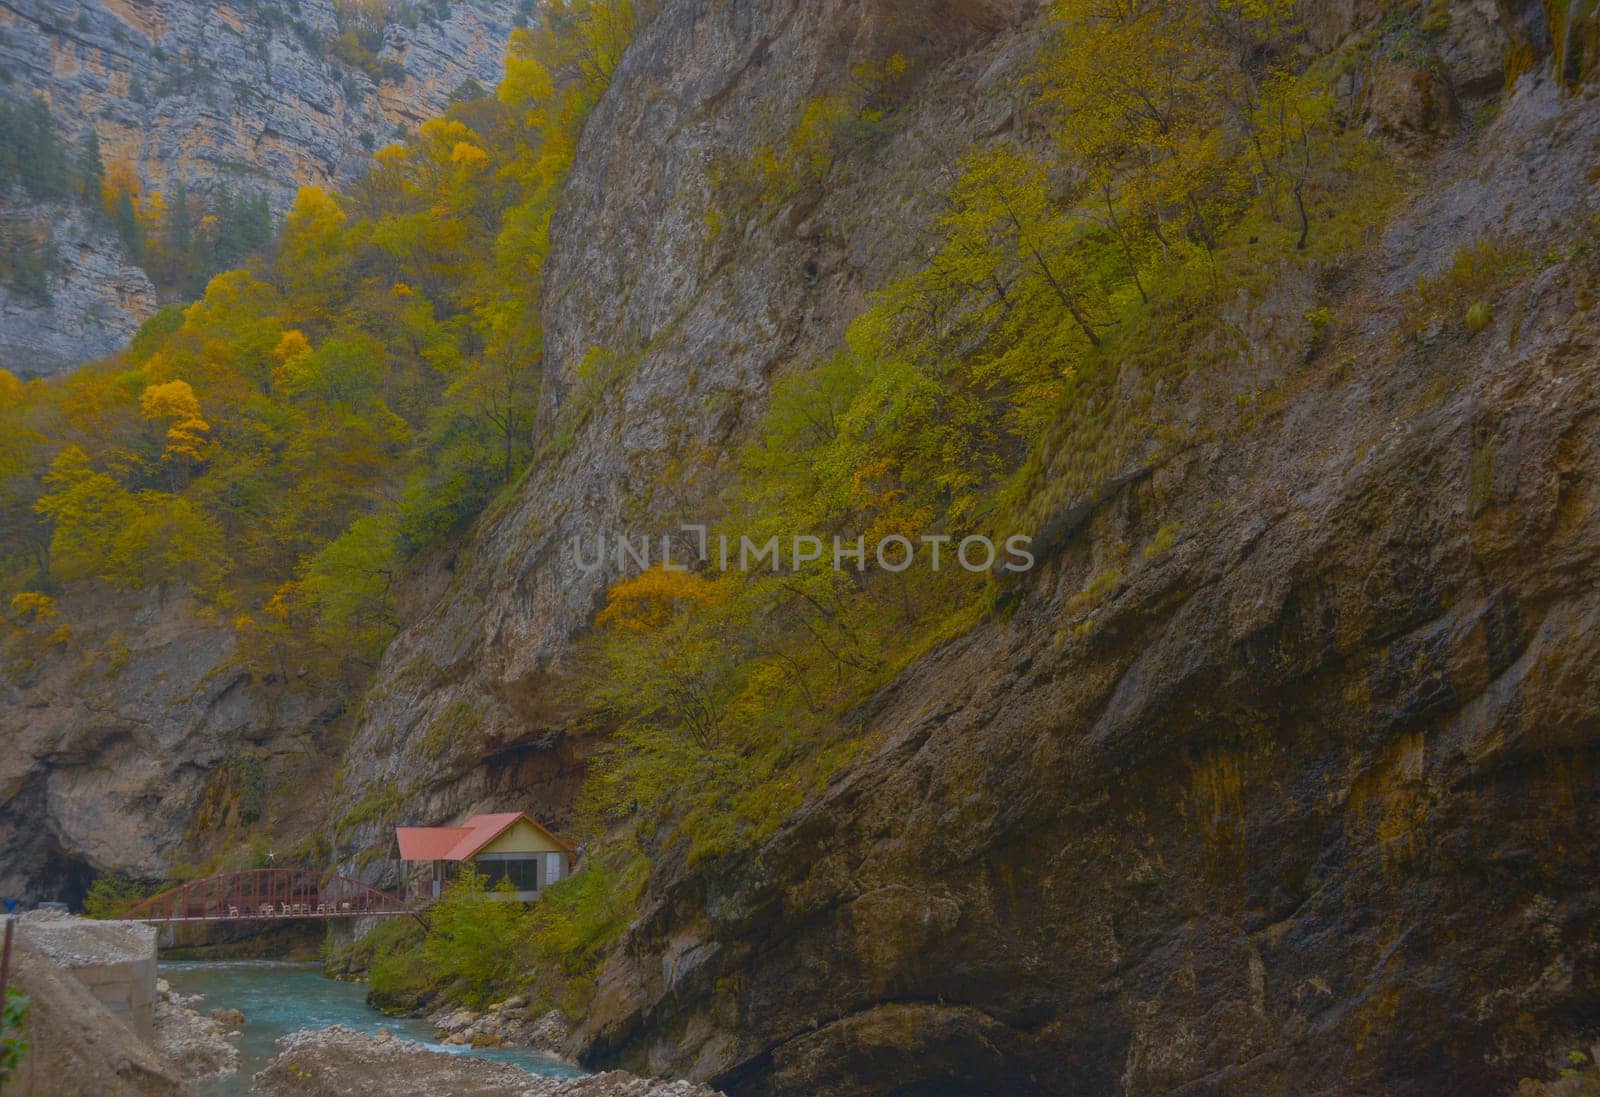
{"points": [[522, 872]]}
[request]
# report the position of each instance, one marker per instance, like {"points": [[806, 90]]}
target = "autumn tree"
{"points": [[1139, 89], [23, 462], [89, 511], [667, 663], [314, 259], [188, 433], [348, 585], [103, 531]]}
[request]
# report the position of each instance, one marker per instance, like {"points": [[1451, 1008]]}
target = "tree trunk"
{"points": [[1127, 248], [1305, 222]]}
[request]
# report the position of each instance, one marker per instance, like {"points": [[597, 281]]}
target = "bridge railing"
{"points": [[267, 893]]}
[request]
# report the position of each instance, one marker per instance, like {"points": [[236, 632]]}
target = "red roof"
{"points": [[463, 842], [428, 843]]}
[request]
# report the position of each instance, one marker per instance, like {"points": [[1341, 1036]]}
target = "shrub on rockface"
{"points": [[112, 894], [481, 946]]}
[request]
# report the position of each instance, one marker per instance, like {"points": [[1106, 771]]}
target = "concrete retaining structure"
{"points": [[116, 961]]}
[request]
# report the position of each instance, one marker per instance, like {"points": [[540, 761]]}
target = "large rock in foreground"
{"points": [[337, 1062]]}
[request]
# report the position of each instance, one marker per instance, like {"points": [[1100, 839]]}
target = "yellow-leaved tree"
{"points": [[187, 431]]}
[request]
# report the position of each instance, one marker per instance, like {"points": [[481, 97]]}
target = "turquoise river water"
{"points": [[278, 998]]}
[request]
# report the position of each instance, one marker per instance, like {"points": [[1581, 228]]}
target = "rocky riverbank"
{"points": [[84, 1039], [197, 1045], [338, 1062], [510, 1023], [77, 1045]]}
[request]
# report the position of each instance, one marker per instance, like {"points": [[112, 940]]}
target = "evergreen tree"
{"points": [[126, 221], [30, 152], [91, 171]]}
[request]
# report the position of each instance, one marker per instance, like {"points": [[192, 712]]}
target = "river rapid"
{"points": [[278, 998]]}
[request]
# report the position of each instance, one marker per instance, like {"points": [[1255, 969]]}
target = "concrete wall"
{"points": [[116, 961], [127, 988]]}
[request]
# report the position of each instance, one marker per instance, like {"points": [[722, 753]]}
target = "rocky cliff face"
{"points": [[1302, 807], [250, 96], [1306, 806], [98, 298], [130, 747], [698, 323]]}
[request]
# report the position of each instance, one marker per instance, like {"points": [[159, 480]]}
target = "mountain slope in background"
{"points": [[251, 98]]}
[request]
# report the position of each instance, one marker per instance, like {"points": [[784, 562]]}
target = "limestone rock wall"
{"points": [[701, 322], [1306, 806], [129, 747], [98, 297]]}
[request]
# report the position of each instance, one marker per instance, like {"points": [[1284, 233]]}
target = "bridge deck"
{"points": [[269, 895]]}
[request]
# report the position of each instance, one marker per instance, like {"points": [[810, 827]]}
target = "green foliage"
{"points": [[1096, 591], [476, 935], [234, 796], [27, 262], [377, 804], [1464, 292], [198, 238], [154, 332], [481, 945], [32, 156], [831, 128], [348, 587], [128, 539], [1163, 540], [112, 894], [397, 979], [13, 1019], [180, 240], [1578, 1078]]}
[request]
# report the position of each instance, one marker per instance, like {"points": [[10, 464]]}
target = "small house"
{"points": [[510, 846]]}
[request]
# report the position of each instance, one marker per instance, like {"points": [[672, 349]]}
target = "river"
{"points": [[278, 998]]}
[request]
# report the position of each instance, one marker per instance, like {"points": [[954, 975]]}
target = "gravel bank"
{"points": [[81, 942], [338, 1062], [508, 1023]]}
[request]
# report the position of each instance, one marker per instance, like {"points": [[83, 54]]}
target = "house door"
{"points": [[552, 868]]}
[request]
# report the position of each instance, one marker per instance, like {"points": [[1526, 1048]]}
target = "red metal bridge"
{"points": [[263, 894]]}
